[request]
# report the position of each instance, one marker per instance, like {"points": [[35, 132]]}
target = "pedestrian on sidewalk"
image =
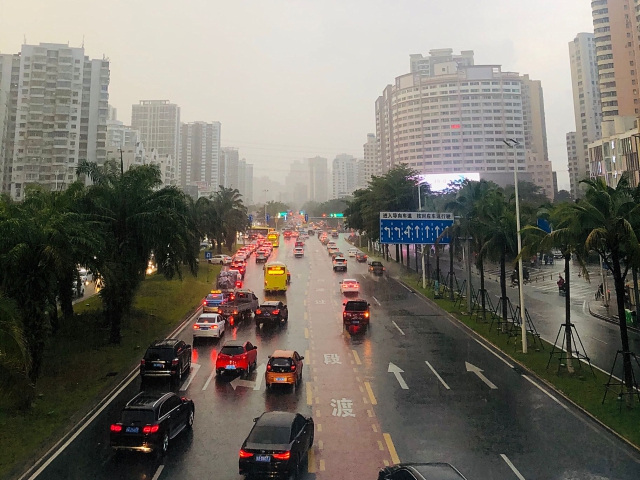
{"points": [[560, 283]]}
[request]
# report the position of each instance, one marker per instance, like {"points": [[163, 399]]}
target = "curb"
{"points": [[550, 386], [23, 474], [609, 319]]}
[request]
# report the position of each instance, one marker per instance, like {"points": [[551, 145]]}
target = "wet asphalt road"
{"points": [[494, 424]]}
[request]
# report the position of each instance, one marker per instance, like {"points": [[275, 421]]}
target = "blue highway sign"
{"points": [[250, 218], [422, 228], [208, 255], [306, 218], [267, 217]]}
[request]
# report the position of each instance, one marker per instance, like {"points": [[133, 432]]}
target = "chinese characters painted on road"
{"points": [[342, 407]]}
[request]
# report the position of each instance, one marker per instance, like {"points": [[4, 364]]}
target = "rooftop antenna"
{"points": [[24, 39], [82, 41]]}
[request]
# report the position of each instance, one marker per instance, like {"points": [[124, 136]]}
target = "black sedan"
{"points": [[420, 471], [274, 313], [150, 420], [277, 444], [361, 257]]}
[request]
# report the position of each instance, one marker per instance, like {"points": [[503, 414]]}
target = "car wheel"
{"points": [[190, 419], [165, 444]]}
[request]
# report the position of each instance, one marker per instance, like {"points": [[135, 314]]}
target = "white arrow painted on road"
{"points": [[478, 372], [396, 370], [255, 384], [194, 369]]}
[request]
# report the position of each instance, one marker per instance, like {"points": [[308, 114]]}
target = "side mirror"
{"points": [[301, 358], [344, 304], [368, 304], [255, 348], [256, 419], [268, 356]]}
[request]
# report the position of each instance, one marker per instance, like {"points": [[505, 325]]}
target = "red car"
{"points": [[237, 357], [240, 266]]}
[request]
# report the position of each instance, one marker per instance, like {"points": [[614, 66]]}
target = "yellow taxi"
{"points": [[284, 367]]}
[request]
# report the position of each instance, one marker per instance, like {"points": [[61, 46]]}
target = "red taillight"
{"points": [[268, 367], [276, 312], [219, 310], [293, 368], [142, 362], [116, 428], [231, 321], [238, 284], [245, 454], [196, 327], [282, 456], [258, 312], [174, 362], [150, 429], [235, 312]]}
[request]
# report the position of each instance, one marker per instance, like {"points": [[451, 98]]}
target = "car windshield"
{"points": [[357, 306], [227, 350], [269, 435], [137, 417], [159, 353]]}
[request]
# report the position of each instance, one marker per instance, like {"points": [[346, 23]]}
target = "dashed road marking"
{"points": [[194, 370], [320, 445], [319, 427], [317, 400], [206, 384], [306, 316], [526, 377], [156, 475], [370, 413], [322, 465], [361, 388], [372, 397], [392, 449], [311, 468], [306, 333], [306, 355], [318, 414], [437, 375], [309, 394], [380, 446], [376, 300], [374, 428], [512, 467], [494, 353], [386, 463], [356, 357], [396, 325], [365, 401]]}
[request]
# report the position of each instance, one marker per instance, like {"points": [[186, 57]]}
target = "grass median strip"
{"points": [[582, 387], [80, 365]]}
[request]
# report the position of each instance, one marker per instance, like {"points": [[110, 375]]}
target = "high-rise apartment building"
{"points": [[200, 154], [439, 61], [247, 196], [617, 54], [119, 134], [370, 165], [318, 190], [158, 122], [453, 120], [345, 175], [586, 107], [54, 114], [231, 159]]}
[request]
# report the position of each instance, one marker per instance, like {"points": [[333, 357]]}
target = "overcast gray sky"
{"points": [[296, 78]]}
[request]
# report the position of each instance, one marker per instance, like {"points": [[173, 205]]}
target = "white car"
{"points": [[298, 252], [221, 260], [349, 285], [209, 325], [332, 245], [239, 257], [352, 252]]}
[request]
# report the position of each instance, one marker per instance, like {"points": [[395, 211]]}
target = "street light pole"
{"points": [[265, 204], [424, 277], [512, 143]]}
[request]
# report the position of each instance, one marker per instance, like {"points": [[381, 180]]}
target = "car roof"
{"points": [[235, 343], [145, 400], [271, 303], [276, 264], [208, 315], [282, 354], [356, 300], [349, 280], [167, 342], [276, 419]]}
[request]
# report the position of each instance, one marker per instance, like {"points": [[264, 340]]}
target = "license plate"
{"points": [[132, 430], [230, 367], [204, 328], [263, 458], [356, 322], [279, 379], [158, 365]]}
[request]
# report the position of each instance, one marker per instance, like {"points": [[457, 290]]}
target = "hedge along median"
{"points": [[584, 388], [81, 366]]}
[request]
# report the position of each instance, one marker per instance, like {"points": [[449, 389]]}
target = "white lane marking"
{"points": [[512, 467], [156, 476], [194, 369], [376, 300], [132, 376], [260, 371], [478, 372], [206, 384], [404, 286], [492, 352], [584, 306], [363, 275], [396, 325], [598, 340], [437, 375], [396, 370], [533, 382]]}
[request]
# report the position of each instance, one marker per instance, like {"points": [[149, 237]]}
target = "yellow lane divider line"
{"points": [[322, 465], [306, 333], [392, 449], [312, 461], [372, 397], [356, 357], [309, 394]]}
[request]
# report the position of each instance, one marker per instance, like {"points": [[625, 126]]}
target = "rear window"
{"points": [[281, 362], [273, 435], [140, 417], [206, 320], [232, 350], [159, 353], [356, 306], [215, 297]]}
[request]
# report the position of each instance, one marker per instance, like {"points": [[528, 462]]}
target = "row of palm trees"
{"points": [[605, 223], [113, 228]]}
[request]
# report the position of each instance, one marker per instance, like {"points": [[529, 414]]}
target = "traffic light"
{"points": [[324, 214]]}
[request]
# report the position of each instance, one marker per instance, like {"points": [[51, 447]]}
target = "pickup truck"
{"points": [[355, 314], [376, 268], [242, 306]]}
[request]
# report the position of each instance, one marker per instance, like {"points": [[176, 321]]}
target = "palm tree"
{"points": [[608, 218], [136, 217], [232, 215], [15, 361]]}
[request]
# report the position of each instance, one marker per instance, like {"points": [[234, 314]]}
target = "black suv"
{"points": [[149, 421], [355, 313], [271, 312], [166, 358]]}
